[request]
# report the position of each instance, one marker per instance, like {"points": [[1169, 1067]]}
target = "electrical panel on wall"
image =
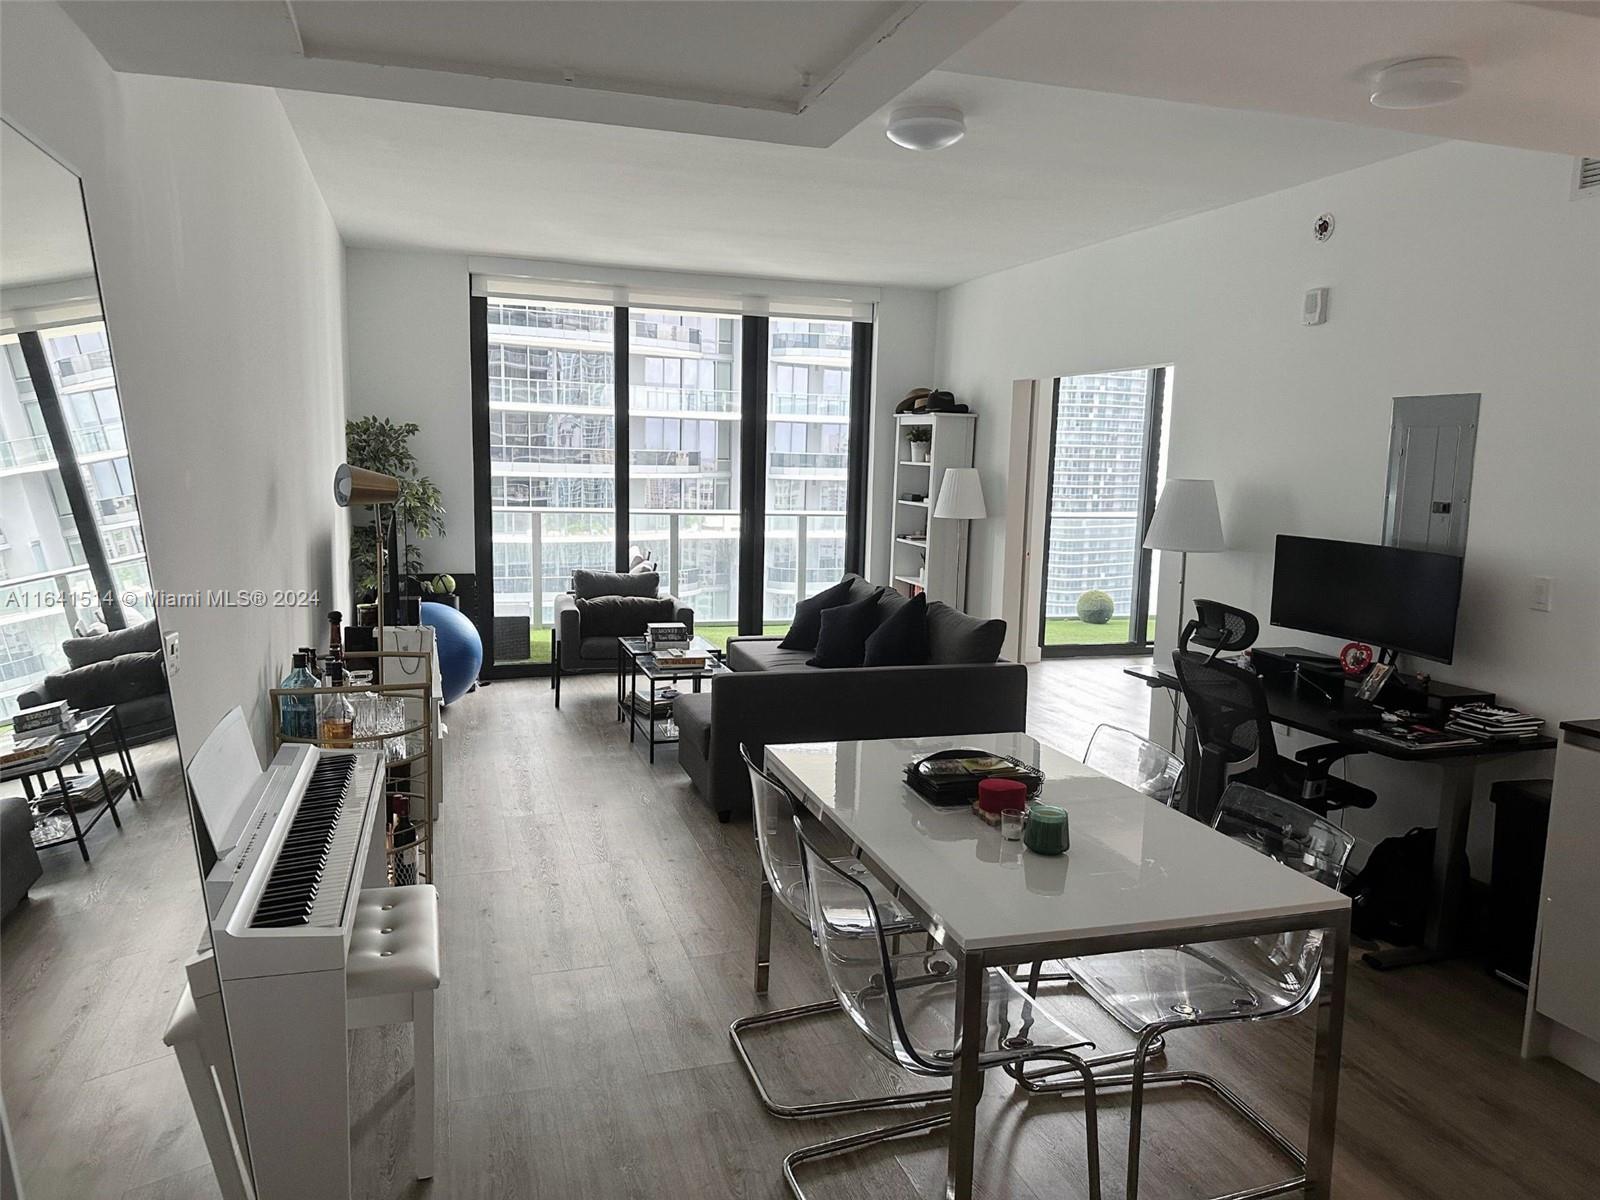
{"points": [[1431, 444]]}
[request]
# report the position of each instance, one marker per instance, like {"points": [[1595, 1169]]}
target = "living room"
{"points": [[697, 419]]}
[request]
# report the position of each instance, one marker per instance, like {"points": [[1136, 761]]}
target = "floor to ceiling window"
{"points": [[552, 455], [48, 589], [808, 456], [1105, 459], [684, 458], [742, 448]]}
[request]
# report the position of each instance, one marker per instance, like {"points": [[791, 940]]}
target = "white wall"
{"points": [[407, 317], [222, 279], [903, 359], [1459, 268], [407, 325]]}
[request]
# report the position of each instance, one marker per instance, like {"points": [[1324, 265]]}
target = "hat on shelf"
{"points": [[913, 400]]}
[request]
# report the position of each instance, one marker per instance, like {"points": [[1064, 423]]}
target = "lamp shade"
{"points": [[961, 495], [1186, 518], [356, 485]]}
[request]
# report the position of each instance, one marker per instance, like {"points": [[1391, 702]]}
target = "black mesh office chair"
{"points": [[1220, 627], [1228, 709]]}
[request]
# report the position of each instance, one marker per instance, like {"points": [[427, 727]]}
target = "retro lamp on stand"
{"points": [[1186, 520], [356, 485]]}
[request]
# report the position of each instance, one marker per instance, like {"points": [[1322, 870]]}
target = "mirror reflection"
{"points": [[97, 882]]}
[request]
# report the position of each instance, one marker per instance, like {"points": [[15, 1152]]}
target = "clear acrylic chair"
{"points": [[783, 877], [1153, 992], [1136, 762], [904, 1004]]}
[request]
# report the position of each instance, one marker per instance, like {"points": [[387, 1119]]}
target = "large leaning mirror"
{"points": [[97, 861]]}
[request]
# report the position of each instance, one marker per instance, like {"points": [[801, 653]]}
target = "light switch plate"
{"points": [[170, 641], [1543, 593]]}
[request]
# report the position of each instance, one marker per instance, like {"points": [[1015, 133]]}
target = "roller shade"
{"points": [[566, 283], [41, 306]]}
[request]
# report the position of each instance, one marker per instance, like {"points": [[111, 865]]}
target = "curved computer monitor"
{"points": [[1401, 600]]}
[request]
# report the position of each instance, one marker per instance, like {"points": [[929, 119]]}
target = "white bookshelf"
{"points": [[925, 552]]}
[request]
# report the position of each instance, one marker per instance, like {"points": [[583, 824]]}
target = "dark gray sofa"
{"points": [[123, 668], [19, 861], [773, 696]]}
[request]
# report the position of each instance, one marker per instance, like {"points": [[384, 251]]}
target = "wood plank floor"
{"points": [[91, 965], [598, 935]]}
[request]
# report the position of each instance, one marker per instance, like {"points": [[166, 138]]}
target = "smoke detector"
{"points": [[926, 126], [1419, 83]]}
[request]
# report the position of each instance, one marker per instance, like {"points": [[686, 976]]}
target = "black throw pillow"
{"points": [[807, 623], [902, 638], [842, 641], [621, 616]]}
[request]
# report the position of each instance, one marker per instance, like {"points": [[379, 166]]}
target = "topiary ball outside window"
{"points": [[1095, 607]]}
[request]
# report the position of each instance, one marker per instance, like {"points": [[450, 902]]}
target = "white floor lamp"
{"points": [[961, 499], [1186, 520]]}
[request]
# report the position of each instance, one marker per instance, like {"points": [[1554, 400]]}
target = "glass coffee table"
{"points": [[62, 814], [648, 711]]}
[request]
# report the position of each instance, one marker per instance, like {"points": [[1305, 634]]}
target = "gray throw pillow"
{"points": [[588, 585], [954, 637]]}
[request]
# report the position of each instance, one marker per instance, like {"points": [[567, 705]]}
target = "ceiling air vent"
{"points": [[1586, 178]]}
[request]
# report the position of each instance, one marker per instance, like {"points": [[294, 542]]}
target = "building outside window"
{"points": [[1100, 476], [41, 551]]}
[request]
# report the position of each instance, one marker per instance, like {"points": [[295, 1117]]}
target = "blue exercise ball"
{"points": [[460, 648]]}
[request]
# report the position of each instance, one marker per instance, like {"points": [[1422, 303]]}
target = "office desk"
{"points": [[1304, 709]]}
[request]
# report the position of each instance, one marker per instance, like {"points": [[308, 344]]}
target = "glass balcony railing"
{"points": [[806, 460], [808, 404], [535, 552], [812, 341], [665, 331], [24, 452], [99, 439], [73, 366], [559, 393], [513, 319], [652, 398]]}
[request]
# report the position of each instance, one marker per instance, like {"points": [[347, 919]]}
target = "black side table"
{"points": [[76, 739]]}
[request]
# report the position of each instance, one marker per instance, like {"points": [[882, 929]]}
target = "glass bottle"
{"points": [[337, 726], [335, 639], [311, 663], [297, 715]]}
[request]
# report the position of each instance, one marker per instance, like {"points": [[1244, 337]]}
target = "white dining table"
{"points": [[1137, 875]]}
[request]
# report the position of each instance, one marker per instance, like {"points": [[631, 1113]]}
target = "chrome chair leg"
{"points": [[819, 1108], [888, 1133], [764, 938], [1140, 1078]]}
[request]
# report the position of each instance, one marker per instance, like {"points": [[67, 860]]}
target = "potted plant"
{"points": [[919, 440], [379, 444]]}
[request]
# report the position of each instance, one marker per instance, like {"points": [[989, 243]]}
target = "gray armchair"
{"points": [[19, 861], [571, 651]]}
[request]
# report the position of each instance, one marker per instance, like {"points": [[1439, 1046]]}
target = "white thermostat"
{"points": [[1315, 311]]}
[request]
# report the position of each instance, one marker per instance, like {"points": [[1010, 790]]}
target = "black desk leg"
{"points": [[72, 815], [125, 756], [1451, 876], [555, 658]]}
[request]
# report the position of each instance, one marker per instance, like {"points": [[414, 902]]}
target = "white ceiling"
{"points": [[1535, 67], [796, 72], [43, 238], [1042, 170], [746, 138]]}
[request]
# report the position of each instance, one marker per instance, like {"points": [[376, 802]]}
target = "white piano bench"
{"points": [[391, 973]]}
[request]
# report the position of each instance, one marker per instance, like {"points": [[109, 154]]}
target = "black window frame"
{"points": [[1139, 610], [754, 351]]}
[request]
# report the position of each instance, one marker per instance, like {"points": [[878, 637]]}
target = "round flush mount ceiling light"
{"points": [[1419, 83], [926, 126]]}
